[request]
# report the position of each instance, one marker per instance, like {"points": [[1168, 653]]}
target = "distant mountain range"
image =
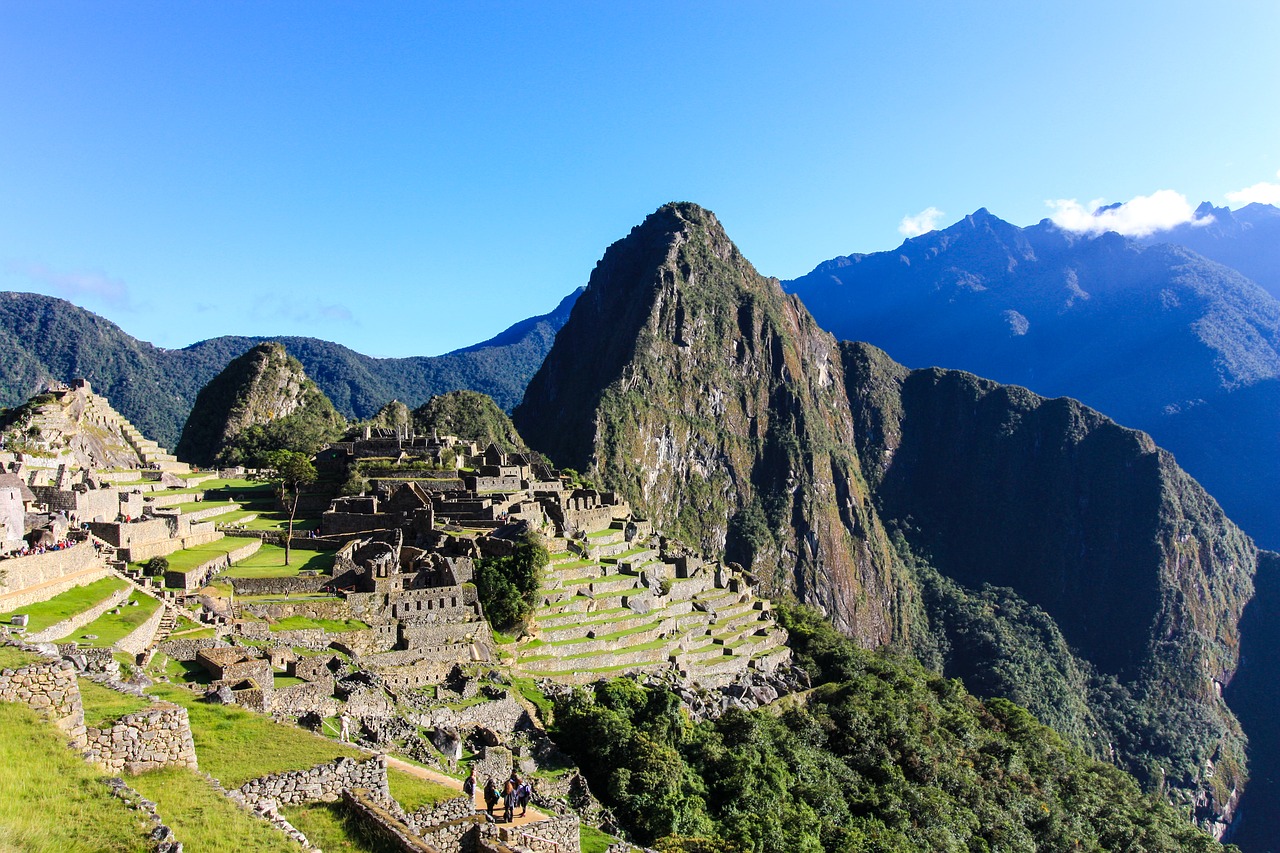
{"points": [[44, 339], [1151, 333]]}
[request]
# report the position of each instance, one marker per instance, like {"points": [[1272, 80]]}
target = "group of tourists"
{"points": [[515, 793]]}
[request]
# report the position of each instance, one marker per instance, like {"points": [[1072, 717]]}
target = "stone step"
{"points": [[613, 584], [609, 644], [606, 624], [596, 660]]}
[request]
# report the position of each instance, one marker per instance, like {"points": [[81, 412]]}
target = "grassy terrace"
{"points": [[268, 562], [205, 820], [235, 745], [42, 779], [110, 628], [413, 793], [195, 506], [331, 828], [12, 657], [333, 626], [103, 706], [190, 558], [67, 604]]}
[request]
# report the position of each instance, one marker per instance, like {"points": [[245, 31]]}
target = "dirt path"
{"points": [[531, 816]]}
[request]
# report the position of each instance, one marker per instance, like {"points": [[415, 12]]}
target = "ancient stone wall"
{"points": [[324, 782], [52, 690], [278, 586], [555, 835], [298, 699], [57, 570], [348, 523], [494, 763], [384, 826], [504, 715], [185, 650], [157, 737], [139, 639]]}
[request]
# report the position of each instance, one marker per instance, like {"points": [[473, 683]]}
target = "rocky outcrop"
{"points": [[264, 386], [692, 384]]}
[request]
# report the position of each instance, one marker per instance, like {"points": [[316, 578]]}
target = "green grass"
{"points": [[333, 626], [529, 690], [331, 827], [66, 604], [103, 706], [236, 745], [413, 793], [196, 506], [12, 657], [593, 840], [49, 794], [191, 558], [204, 820], [268, 562], [110, 628], [287, 680]]}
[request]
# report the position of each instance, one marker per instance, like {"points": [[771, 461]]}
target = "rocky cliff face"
{"points": [[899, 501], [692, 384], [262, 387]]}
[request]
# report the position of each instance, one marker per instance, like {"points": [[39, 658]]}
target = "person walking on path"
{"points": [[508, 801], [344, 728], [524, 793], [469, 784], [490, 795]]}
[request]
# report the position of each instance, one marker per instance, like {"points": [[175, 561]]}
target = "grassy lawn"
{"points": [[110, 628], [593, 840], [189, 558], [331, 827], [66, 604], [195, 506], [202, 819], [103, 706], [12, 657], [49, 795], [529, 690], [235, 745], [413, 793], [287, 680], [333, 626], [268, 562]]}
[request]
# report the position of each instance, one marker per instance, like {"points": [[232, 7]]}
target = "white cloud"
{"points": [[1263, 192], [922, 223], [1141, 216], [74, 286]]}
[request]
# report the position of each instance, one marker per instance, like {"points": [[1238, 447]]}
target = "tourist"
{"points": [[469, 785], [508, 801], [524, 793], [490, 795], [344, 728]]}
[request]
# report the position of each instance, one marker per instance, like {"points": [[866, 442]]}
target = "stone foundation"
{"points": [[157, 737], [52, 691], [322, 783]]}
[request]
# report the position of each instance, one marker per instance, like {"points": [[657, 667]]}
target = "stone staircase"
{"points": [[149, 452], [603, 612]]}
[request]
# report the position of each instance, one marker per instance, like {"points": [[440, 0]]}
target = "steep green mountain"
{"points": [[471, 416], [46, 338], [262, 401], [1147, 334], [394, 415], [690, 383], [1011, 539]]}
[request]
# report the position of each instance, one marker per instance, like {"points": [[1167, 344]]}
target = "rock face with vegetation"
{"points": [[262, 401], [1011, 539], [45, 339], [693, 385], [471, 416]]}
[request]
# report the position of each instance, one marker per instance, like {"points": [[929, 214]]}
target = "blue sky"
{"points": [[408, 178]]}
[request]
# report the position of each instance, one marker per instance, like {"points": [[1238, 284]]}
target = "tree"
{"points": [[155, 567], [293, 472], [508, 586]]}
